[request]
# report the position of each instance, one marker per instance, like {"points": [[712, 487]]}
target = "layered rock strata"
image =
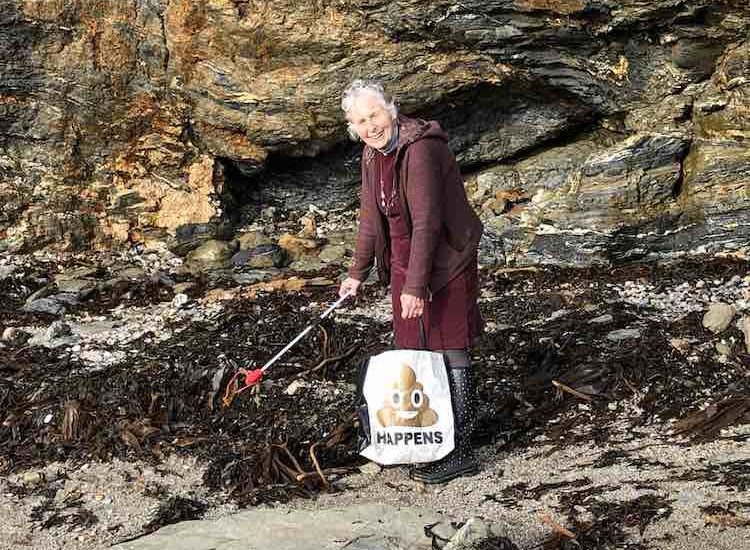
{"points": [[590, 131]]}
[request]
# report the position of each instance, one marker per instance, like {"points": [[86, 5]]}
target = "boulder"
{"points": [[261, 256], [297, 246], [45, 305], [251, 239], [358, 527], [210, 254]]}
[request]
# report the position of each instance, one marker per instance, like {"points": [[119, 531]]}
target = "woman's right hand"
{"points": [[349, 286]]}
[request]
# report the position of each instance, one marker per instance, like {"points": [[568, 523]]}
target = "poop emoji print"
{"points": [[408, 402]]}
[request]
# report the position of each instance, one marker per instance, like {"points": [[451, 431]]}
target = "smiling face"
{"points": [[370, 119], [405, 402]]}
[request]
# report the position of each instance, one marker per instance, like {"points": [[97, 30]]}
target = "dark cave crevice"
{"points": [[485, 122], [329, 181]]}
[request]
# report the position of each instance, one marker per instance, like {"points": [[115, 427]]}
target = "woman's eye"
{"points": [[396, 398]]}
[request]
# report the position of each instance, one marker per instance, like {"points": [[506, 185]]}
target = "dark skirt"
{"points": [[451, 319]]}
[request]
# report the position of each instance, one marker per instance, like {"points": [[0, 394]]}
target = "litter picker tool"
{"points": [[254, 376]]}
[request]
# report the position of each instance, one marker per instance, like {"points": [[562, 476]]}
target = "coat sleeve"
{"points": [[424, 196], [364, 252]]}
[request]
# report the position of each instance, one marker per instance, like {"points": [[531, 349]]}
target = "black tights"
{"points": [[456, 358]]}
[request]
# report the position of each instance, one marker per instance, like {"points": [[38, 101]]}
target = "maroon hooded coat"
{"points": [[444, 229]]}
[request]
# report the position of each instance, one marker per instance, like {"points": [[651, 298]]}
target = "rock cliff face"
{"points": [[589, 130]]}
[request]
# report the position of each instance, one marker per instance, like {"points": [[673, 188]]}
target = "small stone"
{"points": [[83, 272], [6, 271], [76, 286], [182, 288], [255, 276], [211, 252], [333, 253], [32, 478], [370, 468], [179, 300], [268, 212], [495, 205], [470, 535], [744, 326], [66, 298], [294, 387], [723, 348], [251, 239], [606, 318], [45, 305], [680, 344], [319, 281], [130, 274], [624, 334], [262, 256], [718, 317], [442, 533], [58, 329], [15, 336], [297, 246], [309, 227]]}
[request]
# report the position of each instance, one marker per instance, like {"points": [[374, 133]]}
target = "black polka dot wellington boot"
{"points": [[461, 461]]}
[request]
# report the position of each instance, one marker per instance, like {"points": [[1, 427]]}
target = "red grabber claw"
{"points": [[253, 377]]}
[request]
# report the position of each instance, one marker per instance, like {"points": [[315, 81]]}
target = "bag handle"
{"points": [[422, 334]]}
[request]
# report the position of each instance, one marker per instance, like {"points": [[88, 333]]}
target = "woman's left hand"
{"points": [[411, 306]]}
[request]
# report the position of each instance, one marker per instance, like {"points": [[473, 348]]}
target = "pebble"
{"points": [[624, 334], [473, 531], [6, 271], [32, 478], [45, 305], [723, 348], [744, 326], [179, 300], [15, 336], [718, 317], [57, 329], [294, 387], [182, 288], [370, 468], [606, 318]]}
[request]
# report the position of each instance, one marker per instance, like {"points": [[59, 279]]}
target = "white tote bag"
{"points": [[408, 407]]}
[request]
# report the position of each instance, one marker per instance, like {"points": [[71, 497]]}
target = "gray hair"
{"points": [[359, 87]]}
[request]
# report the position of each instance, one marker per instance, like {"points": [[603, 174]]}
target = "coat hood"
{"points": [[409, 131], [412, 129]]}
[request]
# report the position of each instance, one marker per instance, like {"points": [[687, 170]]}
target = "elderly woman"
{"points": [[417, 225]]}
